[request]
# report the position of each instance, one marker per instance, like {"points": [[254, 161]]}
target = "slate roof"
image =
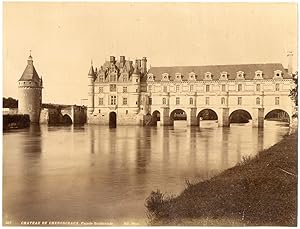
{"points": [[91, 71], [30, 73], [248, 69]]}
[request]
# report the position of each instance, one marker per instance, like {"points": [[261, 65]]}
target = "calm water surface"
{"points": [[93, 173]]}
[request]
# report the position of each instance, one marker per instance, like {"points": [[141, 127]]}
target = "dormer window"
{"points": [[178, 77], [113, 77], [207, 76], [240, 75], [165, 77], [150, 77], [258, 75], [224, 76], [277, 74], [124, 77], [192, 76]]}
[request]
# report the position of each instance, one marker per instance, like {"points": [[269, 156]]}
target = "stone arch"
{"points": [[240, 116], [155, 117], [178, 114], [207, 114], [112, 119], [278, 115], [66, 119]]}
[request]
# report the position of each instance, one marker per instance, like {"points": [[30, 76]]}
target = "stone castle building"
{"points": [[30, 87], [123, 93]]}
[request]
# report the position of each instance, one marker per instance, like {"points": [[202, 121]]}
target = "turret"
{"points": [[91, 80], [30, 92]]}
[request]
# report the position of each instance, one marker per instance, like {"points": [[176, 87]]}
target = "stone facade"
{"points": [[138, 96], [30, 87]]}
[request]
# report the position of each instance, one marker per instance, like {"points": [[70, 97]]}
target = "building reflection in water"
{"points": [[224, 149], [97, 173], [24, 183]]}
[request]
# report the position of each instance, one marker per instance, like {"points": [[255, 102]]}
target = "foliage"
{"points": [[294, 91], [10, 102]]}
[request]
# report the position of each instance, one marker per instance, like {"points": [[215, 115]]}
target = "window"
{"points": [[239, 100], [177, 100], [276, 100], [177, 88], [239, 87], [100, 101], [137, 80], [165, 89], [150, 87], [113, 100], [150, 101], [126, 111], [124, 101], [100, 89], [113, 78], [124, 89], [257, 101], [207, 88], [222, 100], [136, 90], [101, 78], [164, 101], [113, 88], [191, 101], [223, 87], [191, 87], [207, 100], [257, 87], [277, 87]]}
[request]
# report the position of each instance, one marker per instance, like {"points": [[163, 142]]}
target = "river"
{"points": [[95, 174]]}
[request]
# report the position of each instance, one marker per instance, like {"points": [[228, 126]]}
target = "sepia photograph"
{"points": [[149, 114]]}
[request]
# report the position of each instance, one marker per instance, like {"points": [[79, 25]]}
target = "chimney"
{"points": [[122, 61], [290, 62], [138, 63], [144, 65], [112, 59]]}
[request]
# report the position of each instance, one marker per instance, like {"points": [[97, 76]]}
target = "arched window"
{"points": [[257, 87], [257, 101], [191, 101], [222, 100], [239, 87]]}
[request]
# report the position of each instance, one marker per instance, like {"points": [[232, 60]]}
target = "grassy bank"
{"points": [[258, 191]]}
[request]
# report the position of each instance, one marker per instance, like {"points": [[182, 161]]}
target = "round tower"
{"points": [[91, 80], [30, 87]]}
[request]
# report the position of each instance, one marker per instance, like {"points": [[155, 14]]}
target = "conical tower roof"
{"points": [[30, 73], [91, 71]]}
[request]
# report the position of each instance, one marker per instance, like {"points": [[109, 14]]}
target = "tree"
{"points": [[294, 92], [10, 103]]}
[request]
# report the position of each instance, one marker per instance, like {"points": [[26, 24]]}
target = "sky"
{"points": [[65, 37]]}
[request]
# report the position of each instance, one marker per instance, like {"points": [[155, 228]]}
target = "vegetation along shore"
{"points": [[257, 191]]}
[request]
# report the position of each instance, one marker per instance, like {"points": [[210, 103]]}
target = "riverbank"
{"points": [[258, 191], [15, 121]]}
